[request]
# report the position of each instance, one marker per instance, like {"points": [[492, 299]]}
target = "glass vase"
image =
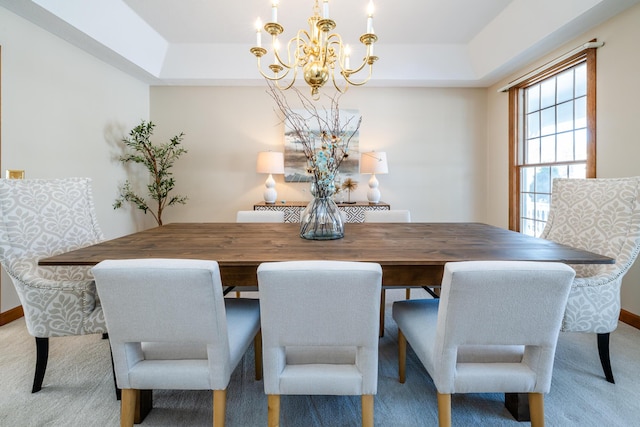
{"points": [[321, 220]]}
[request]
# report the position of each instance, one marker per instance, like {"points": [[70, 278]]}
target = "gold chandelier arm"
{"points": [[277, 57], [275, 77], [335, 84], [302, 39], [353, 83], [334, 41], [281, 87]]}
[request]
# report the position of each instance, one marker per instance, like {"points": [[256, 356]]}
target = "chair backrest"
{"points": [[499, 303], [599, 215], [45, 217], [260, 216], [167, 301], [320, 312], [393, 215]]}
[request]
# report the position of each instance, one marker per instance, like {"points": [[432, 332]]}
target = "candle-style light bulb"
{"points": [[370, 10], [276, 47], [274, 10], [325, 9], [258, 32], [347, 54]]}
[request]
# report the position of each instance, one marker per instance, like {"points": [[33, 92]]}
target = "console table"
{"points": [[355, 211]]}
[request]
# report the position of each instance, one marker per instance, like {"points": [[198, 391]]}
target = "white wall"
{"points": [[434, 139], [618, 110], [63, 114]]}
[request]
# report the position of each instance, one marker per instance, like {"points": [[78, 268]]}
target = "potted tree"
{"points": [[158, 159]]}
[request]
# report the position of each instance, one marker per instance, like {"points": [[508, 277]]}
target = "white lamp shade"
{"points": [[374, 162], [270, 162]]}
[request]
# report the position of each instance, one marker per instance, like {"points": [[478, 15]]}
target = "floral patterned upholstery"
{"points": [[602, 216], [40, 218]]}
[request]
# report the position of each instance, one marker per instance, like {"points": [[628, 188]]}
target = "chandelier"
{"points": [[318, 52]]}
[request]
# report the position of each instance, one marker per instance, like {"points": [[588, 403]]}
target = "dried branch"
{"points": [[324, 149]]}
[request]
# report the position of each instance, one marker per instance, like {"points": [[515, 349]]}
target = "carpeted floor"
{"points": [[78, 389]]}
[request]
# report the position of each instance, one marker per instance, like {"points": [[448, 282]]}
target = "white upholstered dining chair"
{"points": [[320, 331], [494, 329], [40, 218], [171, 328], [391, 215], [256, 217], [260, 216], [599, 215]]}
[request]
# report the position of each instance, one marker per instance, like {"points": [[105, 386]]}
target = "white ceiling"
{"points": [[468, 43]]}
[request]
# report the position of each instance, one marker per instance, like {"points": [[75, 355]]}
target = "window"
{"points": [[552, 135]]}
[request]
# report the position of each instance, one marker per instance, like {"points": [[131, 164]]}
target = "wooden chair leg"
{"points": [[128, 403], [408, 293], [257, 349], [367, 410], [383, 296], [42, 356], [444, 410], [536, 409], [273, 410], [402, 357], [219, 407]]}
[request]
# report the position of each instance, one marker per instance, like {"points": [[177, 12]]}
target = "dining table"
{"points": [[411, 254]]}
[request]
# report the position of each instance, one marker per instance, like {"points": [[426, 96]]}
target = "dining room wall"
{"points": [[63, 114], [433, 138], [617, 108]]}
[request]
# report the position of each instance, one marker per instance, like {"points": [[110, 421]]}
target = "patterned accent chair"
{"points": [[600, 215], [41, 218]]}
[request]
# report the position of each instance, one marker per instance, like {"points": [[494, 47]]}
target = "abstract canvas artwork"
{"points": [[295, 162]]}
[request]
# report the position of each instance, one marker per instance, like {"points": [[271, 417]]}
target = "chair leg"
{"points": [[273, 410], [128, 405], [383, 297], [402, 357], [257, 349], [113, 369], [408, 293], [367, 410], [219, 407], [536, 409], [603, 351], [444, 410], [42, 356]]}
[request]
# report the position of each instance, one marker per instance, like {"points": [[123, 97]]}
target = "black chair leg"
{"points": [[42, 355], [603, 350], [113, 369]]}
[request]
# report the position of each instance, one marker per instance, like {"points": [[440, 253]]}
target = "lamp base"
{"points": [[373, 195], [270, 194]]}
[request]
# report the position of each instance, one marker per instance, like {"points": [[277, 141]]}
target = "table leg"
{"points": [[518, 405], [143, 405]]}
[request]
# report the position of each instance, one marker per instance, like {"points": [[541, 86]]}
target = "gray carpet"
{"points": [[78, 389]]}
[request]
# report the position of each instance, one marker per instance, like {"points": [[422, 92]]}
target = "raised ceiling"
{"points": [[466, 43]]}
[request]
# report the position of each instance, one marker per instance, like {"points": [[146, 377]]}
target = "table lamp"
{"points": [[374, 162], [270, 162]]}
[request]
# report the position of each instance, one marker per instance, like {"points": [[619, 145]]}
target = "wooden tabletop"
{"points": [[409, 253]]}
